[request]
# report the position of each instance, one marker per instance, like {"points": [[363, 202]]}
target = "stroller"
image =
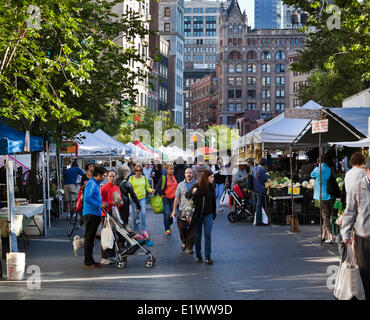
{"points": [[125, 243], [242, 208]]}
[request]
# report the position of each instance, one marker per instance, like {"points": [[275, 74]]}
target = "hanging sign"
{"points": [[296, 190], [320, 126], [68, 147]]}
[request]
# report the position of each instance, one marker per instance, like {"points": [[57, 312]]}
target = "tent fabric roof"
{"points": [[91, 145], [12, 141], [355, 144], [106, 138], [357, 117]]}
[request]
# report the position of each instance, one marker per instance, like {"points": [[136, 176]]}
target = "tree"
{"points": [[338, 57]]}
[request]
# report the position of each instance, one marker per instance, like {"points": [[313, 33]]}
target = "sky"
{"points": [[248, 5]]}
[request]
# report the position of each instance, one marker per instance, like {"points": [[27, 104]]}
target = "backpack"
{"points": [[333, 188]]}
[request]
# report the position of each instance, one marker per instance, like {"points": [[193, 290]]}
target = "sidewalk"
{"points": [[250, 263]]}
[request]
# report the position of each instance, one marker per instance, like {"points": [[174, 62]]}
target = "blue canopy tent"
{"points": [[13, 142]]}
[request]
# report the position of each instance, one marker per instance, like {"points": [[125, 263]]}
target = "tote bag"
{"points": [[107, 238], [157, 204], [224, 202], [349, 283]]}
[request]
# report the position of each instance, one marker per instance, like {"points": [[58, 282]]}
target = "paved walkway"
{"points": [[250, 263]]}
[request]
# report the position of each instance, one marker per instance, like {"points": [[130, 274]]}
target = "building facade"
{"points": [[268, 14], [201, 45], [297, 81], [171, 28], [253, 66], [140, 44]]}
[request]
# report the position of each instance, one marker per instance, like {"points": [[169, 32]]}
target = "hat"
{"points": [[367, 163]]}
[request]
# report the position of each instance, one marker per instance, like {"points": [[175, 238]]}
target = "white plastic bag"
{"points": [[107, 238], [224, 202], [265, 218], [349, 283]]}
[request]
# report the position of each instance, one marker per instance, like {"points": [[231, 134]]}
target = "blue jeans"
{"points": [[207, 222], [167, 210], [141, 217], [258, 196], [219, 192]]}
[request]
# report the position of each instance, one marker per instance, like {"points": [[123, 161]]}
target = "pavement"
{"points": [[251, 263]]}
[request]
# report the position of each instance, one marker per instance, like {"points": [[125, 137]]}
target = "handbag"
{"points": [[348, 283], [224, 202], [187, 212], [107, 238], [157, 204], [333, 188]]}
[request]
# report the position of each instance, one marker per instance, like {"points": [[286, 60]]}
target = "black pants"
{"points": [[124, 212], [91, 226], [107, 253], [186, 233], [362, 250]]}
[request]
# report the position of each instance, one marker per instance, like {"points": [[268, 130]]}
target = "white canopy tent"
{"points": [[88, 144], [108, 140], [364, 143]]}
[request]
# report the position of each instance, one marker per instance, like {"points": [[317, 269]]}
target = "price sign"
{"points": [[296, 191], [320, 126]]}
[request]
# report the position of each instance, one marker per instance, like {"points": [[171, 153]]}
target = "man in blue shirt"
{"points": [[259, 180], [91, 212], [69, 187]]}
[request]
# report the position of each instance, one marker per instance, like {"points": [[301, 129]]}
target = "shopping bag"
{"points": [[107, 238], [80, 201], [265, 218], [157, 204], [224, 202], [349, 283]]}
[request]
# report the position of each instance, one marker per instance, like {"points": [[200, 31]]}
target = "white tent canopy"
{"points": [[364, 143], [88, 144], [108, 140]]}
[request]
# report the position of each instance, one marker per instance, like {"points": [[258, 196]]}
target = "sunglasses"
{"points": [[138, 170]]}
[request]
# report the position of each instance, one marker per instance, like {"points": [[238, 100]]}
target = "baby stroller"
{"points": [[242, 207], [125, 243]]}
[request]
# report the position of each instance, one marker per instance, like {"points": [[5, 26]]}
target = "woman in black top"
{"points": [[204, 198], [157, 173]]}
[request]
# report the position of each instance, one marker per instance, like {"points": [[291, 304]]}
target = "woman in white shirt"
{"points": [[354, 176]]}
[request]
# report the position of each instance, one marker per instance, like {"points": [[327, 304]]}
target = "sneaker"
{"points": [[190, 251], [105, 261], [328, 241], [199, 260], [92, 266], [182, 246], [168, 232], [208, 261]]}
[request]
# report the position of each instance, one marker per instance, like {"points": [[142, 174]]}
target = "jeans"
{"points": [[219, 192], [259, 196], [142, 216], [207, 222], [91, 226], [168, 208]]}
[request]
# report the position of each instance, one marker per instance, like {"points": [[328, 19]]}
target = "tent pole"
{"points": [[48, 179], [294, 223], [13, 245], [44, 191], [320, 156]]}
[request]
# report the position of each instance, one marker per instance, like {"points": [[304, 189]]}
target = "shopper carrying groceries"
{"points": [[186, 228], [127, 192], [327, 199], [356, 218], [220, 180], [204, 196], [259, 180], [166, 188], [111, 196], [141, 185], [92, 205]]}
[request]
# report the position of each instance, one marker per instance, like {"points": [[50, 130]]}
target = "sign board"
{"points": [[296, 191], [320, 126], [294, 113], [68, 147]]}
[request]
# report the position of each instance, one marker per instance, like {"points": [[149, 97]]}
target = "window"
{"points": [[238, 68], [230, 107], [280, 107], [266, 55], [167, 27], [238, 94], [231, 81], [238, 81], [266, 81], [231, 68], [231, 94], [251, 94], [252, 68], [251, 106], [235, 55], [251, 55], [167, 12], [280, 55], [280, 68], [280, 81], [280, 93], [266, 68], [266, 94], [238, 107], [265, 107], [295, 87], [296, 102], [251, 81]]}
